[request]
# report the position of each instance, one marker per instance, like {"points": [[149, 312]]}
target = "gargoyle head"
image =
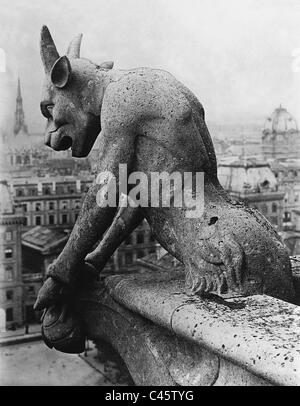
{"points": [[72, 97]]}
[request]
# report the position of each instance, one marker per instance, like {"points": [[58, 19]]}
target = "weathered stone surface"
{"points": [[259, 333], [233, 375], [151, 122], [130, 338], [155, 355]]}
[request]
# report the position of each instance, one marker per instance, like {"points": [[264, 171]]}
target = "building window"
{"points": [[140, 238], [47, 191], [128, 258], [274, 208], [25, 221], [38, 207], [10, 314], [51, 205], [264, 209], [64, 219], [265, 184], [20, 192], [77, 204], [32, 192], [8, 253], [8, 236], [24, 205], [9, 295], [38, 221], [64, 205], [140, 254], [59, 190], [51, 219], [9, 274]]}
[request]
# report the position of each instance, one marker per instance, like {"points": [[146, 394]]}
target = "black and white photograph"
{"points": [[149, 195]]}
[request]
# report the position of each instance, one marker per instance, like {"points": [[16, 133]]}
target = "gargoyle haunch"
{"points": [[148, 120]]}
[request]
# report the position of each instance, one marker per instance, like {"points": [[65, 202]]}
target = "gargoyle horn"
{"points": [[74, 47], [49, 52], [107, 65]]}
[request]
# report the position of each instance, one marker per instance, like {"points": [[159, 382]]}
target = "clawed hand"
{"points": [[51, 292], [54, 292]]}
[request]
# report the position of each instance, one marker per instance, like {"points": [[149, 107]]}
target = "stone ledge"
{"points": [[20, 339], [257, 334]]}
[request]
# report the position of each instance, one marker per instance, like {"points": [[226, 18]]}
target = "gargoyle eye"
{"points": [[47, 109]]}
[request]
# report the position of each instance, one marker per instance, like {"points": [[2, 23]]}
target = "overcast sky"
{"points": [[235, 55]]}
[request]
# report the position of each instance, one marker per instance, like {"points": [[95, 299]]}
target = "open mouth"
{"points": [[57, 139], [65, 142]]}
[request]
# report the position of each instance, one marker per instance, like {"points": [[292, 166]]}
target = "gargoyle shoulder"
{"points": [[122, 104], [144, 94]]}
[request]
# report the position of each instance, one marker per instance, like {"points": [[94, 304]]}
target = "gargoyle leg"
{"points": [[91, 223], [125, 221]]}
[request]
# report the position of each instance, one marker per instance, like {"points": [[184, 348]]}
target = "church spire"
{"points": [[19, 113]]}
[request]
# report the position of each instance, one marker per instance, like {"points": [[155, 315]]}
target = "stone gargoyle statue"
{"points": [[149, 121]]}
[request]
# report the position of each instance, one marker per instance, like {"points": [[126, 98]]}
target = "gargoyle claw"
{"points": [[50, 293]]}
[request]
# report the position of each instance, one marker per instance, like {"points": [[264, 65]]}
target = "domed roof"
{"points": [[6, 201], [280, 121]]}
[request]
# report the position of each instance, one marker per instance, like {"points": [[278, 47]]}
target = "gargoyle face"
{"points": [[67, 98]]}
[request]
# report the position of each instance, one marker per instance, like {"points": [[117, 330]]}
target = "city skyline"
{"points": [[233, 72], [249, 131]]}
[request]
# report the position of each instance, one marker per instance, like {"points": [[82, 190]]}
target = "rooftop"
{"points": [[42, 238], [247, 175]]}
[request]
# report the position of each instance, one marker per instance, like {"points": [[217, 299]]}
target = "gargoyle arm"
{"points": [[116, 146]]}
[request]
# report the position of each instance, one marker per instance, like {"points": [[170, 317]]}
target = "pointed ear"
{"points": [[107, 65], [60, 72], [48, 49]]}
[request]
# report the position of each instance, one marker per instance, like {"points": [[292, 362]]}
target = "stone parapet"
{"points": [[168, 338]]}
